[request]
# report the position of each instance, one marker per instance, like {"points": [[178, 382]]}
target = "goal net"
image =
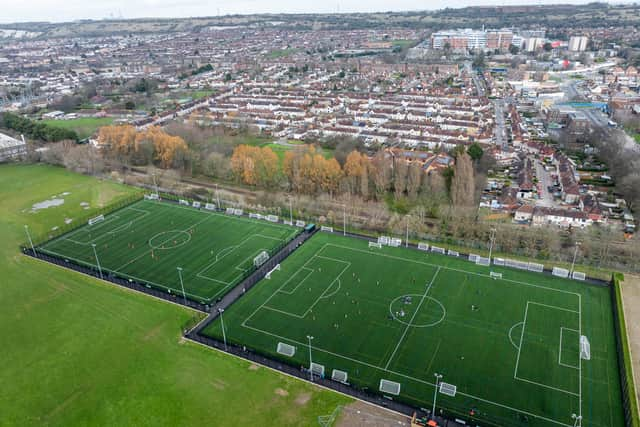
{"points": [[423, 246], [375, 245], [286, 349], [437, 249], [96, 219], [560, 272], [483, 261], [453, 253], [495, 275], [339, 376], [585, 348], [578, 275], [448, 389], [317, 369], [261, 258], [327, 229], [389, 387], [210, 207]]}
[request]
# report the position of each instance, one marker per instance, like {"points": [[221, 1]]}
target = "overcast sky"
{"points": [[69, 10]]}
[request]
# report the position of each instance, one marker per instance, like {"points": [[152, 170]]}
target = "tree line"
{"points": [[35, 129]]}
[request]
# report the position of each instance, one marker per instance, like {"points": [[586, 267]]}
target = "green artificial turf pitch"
{"points": [[510, 346], [149, 240]]}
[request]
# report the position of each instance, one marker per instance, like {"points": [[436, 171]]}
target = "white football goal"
{"points": [[286, 349], [261, 258], [375, 245], [585, 348], [389, 387], [96, 219]]}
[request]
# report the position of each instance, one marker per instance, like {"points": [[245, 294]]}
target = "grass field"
{"points": [[150, 240], [511, 345], [78, 351], [84, 127]]}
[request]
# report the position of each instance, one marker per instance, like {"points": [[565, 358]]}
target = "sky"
{"points": [[69, 10]]}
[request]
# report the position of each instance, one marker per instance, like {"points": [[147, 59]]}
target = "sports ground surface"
{"points": [[78, 351], [510, 346], [149, 240]]}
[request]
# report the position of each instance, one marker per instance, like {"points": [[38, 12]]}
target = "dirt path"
{"points": [[360, 414], [631, 302]]}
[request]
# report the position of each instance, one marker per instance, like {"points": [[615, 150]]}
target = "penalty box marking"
{"points": [[321, 296], [524, 326], [226, 252], [100, 225]]}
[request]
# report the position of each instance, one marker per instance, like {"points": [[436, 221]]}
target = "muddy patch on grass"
{"points": [[360, 414], [281, 392], [46, 204], [253, 367], [302, 399]]}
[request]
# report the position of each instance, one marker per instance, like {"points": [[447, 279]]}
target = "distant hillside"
{"points": [[554, 17]]}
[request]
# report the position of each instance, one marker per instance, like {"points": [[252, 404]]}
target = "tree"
{"points": [[478, 60], [463, 184], [548, 47], [381, 173], [475, 151], [513, 49], [414, 179], [400, 172]]}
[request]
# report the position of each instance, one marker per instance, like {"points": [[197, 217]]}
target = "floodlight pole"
{"points": [[155, 184], [406, 240], [290, 211], [33, 249], [93, 245], [184, 295], [309, 337], [344, 219], [492, 238], [218, 197], [435, 394], [577, 419], [575, 254], [224, 334]]}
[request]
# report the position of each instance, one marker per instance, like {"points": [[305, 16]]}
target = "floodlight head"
{"points": [[220, 310], [310, 337], [179, 268], [93, 244]]}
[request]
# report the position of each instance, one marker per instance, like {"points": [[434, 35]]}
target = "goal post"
{"points": [[585, 348], [261, 258], [495, 275], [389, 387], [285, 349], [375, 245], [339, 376], [95, 220]]}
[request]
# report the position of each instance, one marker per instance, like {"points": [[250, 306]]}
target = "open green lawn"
{"points": [[511, 346], [84, 127], [149, 240], [77, 351]]}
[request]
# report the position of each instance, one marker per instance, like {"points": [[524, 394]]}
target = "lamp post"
{"points": [[224, 334], [184, 295], [155, 184], [95, 253], [435, 394], [218, 197], [406, 240], [575, 254], [492, 239], [309, 337], [344, 219], [33, 249], [577, 420], [290, 211]]}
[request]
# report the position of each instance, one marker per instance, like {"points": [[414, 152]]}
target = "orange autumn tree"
{"points": [[140, 147], [310, 172], [255, 166], [119, 140], [356, 172]]}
